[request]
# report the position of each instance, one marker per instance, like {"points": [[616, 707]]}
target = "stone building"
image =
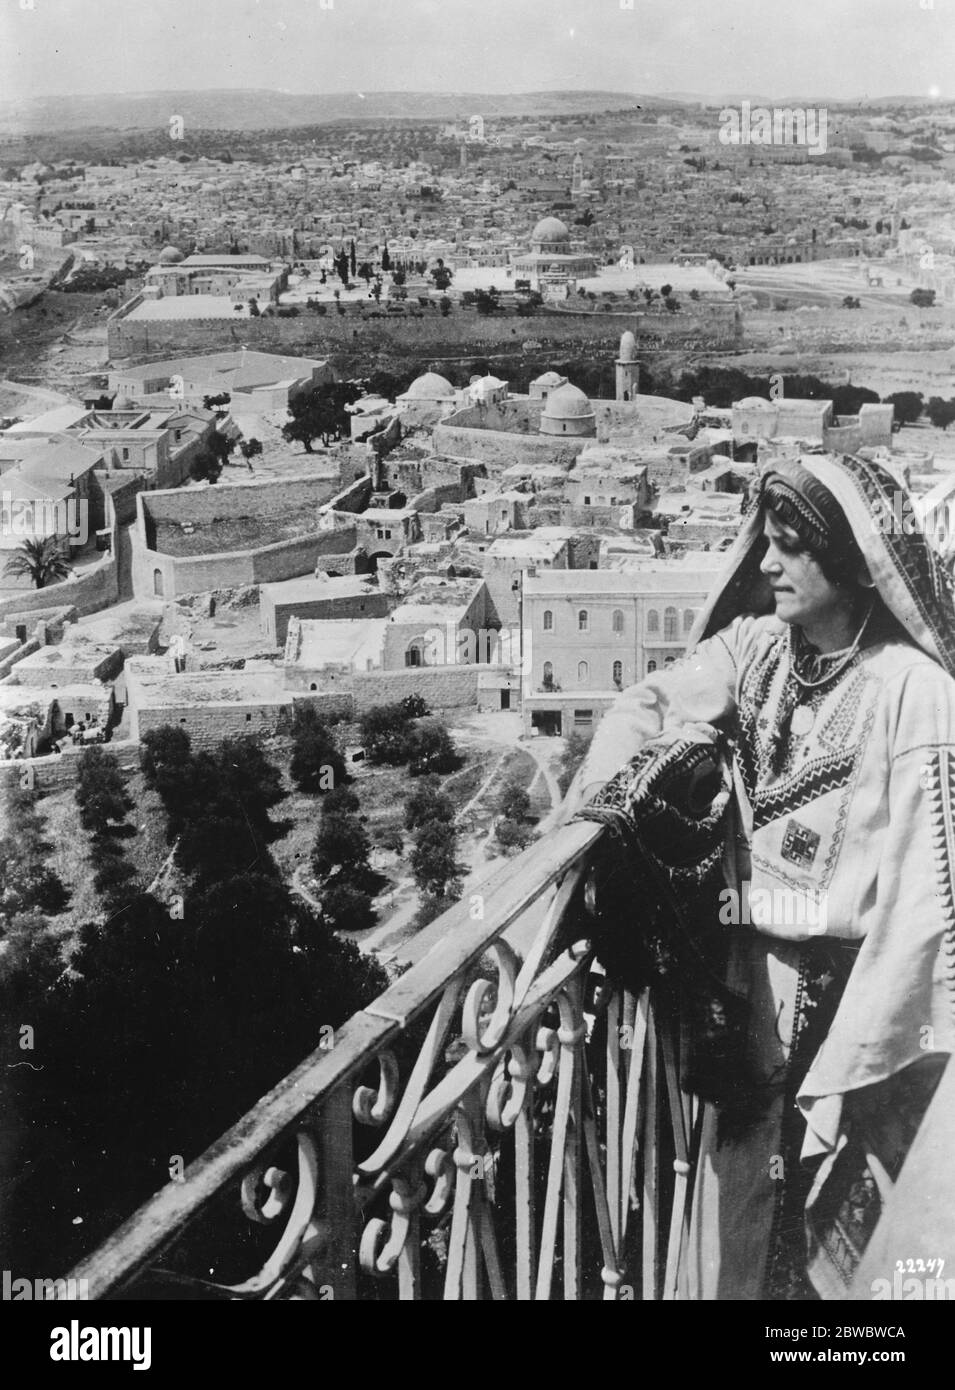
{"points": [[350, 596], [590, 634]]}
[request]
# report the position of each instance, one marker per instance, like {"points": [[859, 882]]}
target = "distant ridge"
{"points": [[263, 109]]}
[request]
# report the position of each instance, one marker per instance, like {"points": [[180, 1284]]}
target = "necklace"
{"points": [[799, 718], [844, 657]]}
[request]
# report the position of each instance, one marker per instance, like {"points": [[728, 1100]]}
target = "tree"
{"points": [[513, 801], [426, 803], [431, 749], [27, 883], [445, 306], [441, 276], [347, 908], [908, 405], [341, 800], [352, 258], [433, 861], [317, 765], [42, 561], [365, 272], [385, 732], [205, 467], [321, 412], [488, 301], [923, 299], [250, 448], [941, 412], [100, 790], [385, 258], [341, 843]]}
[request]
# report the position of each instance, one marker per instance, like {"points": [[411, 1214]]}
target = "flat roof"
{"points": [[662, 579], [307, 590], [187, 306], [316, 642], [218, 362], [156, 685], [61, 417]]}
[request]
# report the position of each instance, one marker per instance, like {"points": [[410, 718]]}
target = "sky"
{"points": [[839, 49]]}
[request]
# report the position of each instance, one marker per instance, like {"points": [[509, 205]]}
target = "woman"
{"points": [[826, 653]]}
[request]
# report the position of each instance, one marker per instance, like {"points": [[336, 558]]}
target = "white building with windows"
{"points": [[591, 633]]}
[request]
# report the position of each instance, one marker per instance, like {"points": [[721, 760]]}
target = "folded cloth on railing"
{"points": [[657, 909]]}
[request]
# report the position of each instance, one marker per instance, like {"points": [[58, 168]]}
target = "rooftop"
{"points": [[313, 642], [659, 578], [307, 590]]}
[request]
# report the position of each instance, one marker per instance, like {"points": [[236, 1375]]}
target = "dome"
{"points": [[628, 347], [429, 387], [548, 379], [567, 402], [170, 255], [754, 403], [550, 229]]}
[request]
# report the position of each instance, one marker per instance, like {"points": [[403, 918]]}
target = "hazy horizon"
{"points": [[842, 50]]}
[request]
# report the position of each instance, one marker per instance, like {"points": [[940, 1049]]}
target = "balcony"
{"points": [[498, 1124]]}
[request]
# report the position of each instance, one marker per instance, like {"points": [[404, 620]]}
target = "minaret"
{"points": [[577, 184], [628, 368]]}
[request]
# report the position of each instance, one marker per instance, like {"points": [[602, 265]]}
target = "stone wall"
{"points": [[354, 561], [328, 704], [157, 573], [235, 569], [95, 588], [204, 506], [56, 771], [443, 687], [500, 451], [274, 614], [208, 724]]}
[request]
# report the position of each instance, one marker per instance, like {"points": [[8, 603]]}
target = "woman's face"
{"points": [[802, 592]]}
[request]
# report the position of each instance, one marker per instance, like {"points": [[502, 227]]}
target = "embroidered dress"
{"points": [[842, 848]]}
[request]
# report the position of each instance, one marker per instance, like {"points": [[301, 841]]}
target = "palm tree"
{"points": [[42, 560]]}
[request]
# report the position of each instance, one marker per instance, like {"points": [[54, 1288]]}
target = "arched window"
{"points": [[413, 655], [618, 620], [583, 620], [651, 667], [548, 675], [548, 620], [653, 622], [618, 672], [688, 619], [157, 583], [670, 619], [583, 671]]}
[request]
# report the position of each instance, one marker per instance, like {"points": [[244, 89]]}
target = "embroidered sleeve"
{"points": [[699, 690]]}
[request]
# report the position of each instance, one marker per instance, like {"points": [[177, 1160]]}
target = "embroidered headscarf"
{"points": [[907, 573]]}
